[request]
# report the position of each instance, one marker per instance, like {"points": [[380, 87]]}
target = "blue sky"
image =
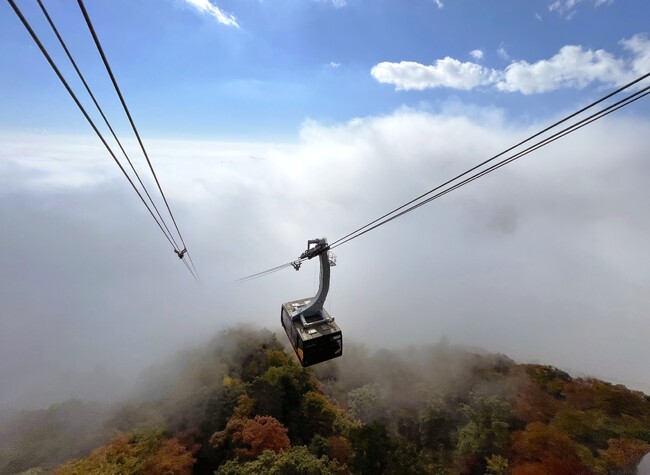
{"points": [[253, 69]]}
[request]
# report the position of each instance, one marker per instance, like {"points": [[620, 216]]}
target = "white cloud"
{"points": [[477, 54], [573, 67], [439, 3], [205, 6], [334, 65], [639, 46], [568, 8], [447, 72], [84, 243], [538, 17]]}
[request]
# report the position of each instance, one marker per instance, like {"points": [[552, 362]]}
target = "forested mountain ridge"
{"points": [[243, 405]]}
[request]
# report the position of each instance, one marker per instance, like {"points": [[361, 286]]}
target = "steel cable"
{"points": [[510, 149], [131, 121], [416, 203], [101, 112], [83, 110], [604, 112]]}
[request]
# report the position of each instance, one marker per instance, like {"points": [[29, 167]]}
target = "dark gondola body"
{"points": [[314, 339]]}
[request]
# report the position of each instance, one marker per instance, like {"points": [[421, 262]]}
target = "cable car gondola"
{"points": [[312, 331]]}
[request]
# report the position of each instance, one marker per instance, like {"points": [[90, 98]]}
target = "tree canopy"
{"points": [[243, 405]]}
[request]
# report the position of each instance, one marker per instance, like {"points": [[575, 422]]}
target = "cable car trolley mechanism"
{"points": [[312, 331]]}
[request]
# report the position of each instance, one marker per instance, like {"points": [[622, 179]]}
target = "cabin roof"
{"points": [[315, 331]]}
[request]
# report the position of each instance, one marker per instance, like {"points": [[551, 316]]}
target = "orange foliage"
{"points": [[624, 453], [542, 449], [130, 454], [248, 438], [532, 404], [614, 400], [551, 466], [171, 458], [264, 433]]}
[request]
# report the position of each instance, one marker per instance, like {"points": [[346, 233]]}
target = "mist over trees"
{"points": [[243, 405]]}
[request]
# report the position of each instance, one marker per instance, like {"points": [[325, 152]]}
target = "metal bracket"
{"points": [[320, 246]]}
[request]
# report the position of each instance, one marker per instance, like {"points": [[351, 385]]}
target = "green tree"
{"points": [[335, 447], [406, 423], [319, 415], [366, 403], [404, 459], [372, 446], [437, 426], [489, 420], [592, 428], [260, 359], [497, 465], [280, 393], [295, 461]]}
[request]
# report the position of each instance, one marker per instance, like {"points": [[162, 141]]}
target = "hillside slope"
{"points": [[242, 405]]}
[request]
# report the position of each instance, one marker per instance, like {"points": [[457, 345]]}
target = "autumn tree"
{"points": [[624, 454], [545, 449], [147, 453], [120, 456], [339, 449], [247, 438], [534, 404], [614, 400], [264, 433], [171, 458]]}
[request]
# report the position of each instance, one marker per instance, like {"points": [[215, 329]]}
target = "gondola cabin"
{"points": [[314, 339], [312, 332]]}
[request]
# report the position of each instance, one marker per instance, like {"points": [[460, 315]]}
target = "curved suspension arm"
{"points": [[315, 306]]}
